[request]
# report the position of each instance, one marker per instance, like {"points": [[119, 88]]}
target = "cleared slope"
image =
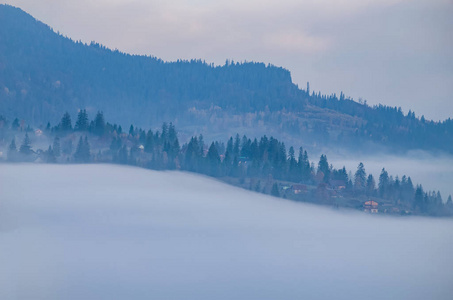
{"points": [[111, 232]]}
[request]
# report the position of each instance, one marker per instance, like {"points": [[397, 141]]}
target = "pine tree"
{"points": [[360, 177], [82, 121], [419, 198], [25, 148], [292, 165], [370, 185], [213, 160], [323, 166], [65, 123], [99, 124], [15, 125], [383, 183]]}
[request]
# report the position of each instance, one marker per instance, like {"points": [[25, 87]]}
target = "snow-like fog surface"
{"points": [[111, 232]]}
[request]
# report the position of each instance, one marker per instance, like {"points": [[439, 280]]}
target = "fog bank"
{"points": [[434, 172], [112, 232]]}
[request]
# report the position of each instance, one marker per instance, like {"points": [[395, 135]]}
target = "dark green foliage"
{"points": [[62, 75], [25, 148], [66, 123], [323, 167], [360, 178], [213, 161], [99, 124], [370, 185], [82, 121], [256, 162], [384, 182], [419, 200], [15, 125]]}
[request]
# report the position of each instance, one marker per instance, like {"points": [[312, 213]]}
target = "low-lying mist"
{"points": [[434, 172], [112, 232]]}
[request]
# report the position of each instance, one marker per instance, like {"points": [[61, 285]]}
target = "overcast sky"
{"points": [[395, 52]]}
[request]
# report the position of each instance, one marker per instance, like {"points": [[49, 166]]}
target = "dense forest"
{"points": [[43, 74], [263, 165]]}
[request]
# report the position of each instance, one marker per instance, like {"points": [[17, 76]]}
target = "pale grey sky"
{"points": [[395, 52]]}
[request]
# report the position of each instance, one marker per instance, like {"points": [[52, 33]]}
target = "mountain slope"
{"points": [[43, 74], [43, 70]]}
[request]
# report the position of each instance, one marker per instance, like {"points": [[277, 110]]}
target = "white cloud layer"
{"points": [[396, 52], [111, 232]]}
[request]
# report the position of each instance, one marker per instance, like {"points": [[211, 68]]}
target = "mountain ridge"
{"points": [[43, 74]]}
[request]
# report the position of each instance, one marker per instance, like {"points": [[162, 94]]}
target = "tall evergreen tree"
{"points": [[370, 185], [66, 123], [323, 166], [15, 125], [99, 124], [25, 148], [360, 178], [419, 201], [213, 160], [82, 123], [449, 201], [383, 183]]}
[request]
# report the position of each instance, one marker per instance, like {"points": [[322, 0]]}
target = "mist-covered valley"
{"points": [[116, 232]]}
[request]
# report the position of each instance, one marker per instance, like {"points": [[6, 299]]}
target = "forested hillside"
{"points": [[263, 165], [43, 74]]}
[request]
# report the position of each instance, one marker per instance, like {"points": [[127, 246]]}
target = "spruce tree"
{"points": [[323, 166], [370, 185], [360, 177], [82, 121], [213, 160], [25, 148], [65, 123], [99, 124], [15, 125], [383, 183]]}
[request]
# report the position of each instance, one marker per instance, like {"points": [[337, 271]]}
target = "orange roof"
{"points": [[371, 203]]}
